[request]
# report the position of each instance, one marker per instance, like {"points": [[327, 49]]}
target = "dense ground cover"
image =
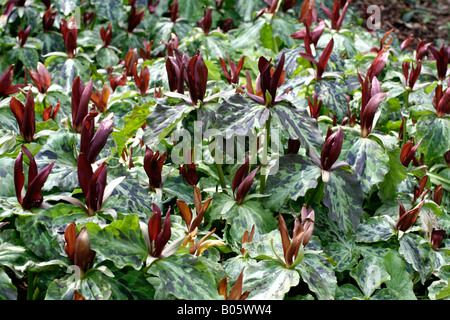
{"points": [[220, 150]]}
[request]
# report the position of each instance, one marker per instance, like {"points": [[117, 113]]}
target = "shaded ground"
{"points": [[426, 20]]}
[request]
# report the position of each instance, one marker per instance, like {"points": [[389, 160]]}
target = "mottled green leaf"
{"points": [[183, 276], [320, 278], [269, 280], [294, 178], [331, 91], [417, 253], [435, 133], [60, 147], [7, 290], [344, 198], [7, 177], [63, 71], [121, 242], [374, 229], [106, 57], [400, 281], [369, 161], [370, 273], [395, 175]]}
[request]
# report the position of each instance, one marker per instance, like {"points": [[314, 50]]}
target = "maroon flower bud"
{"points": [[6, 79], [23, 36], [335, 16], [437, 196], [151, 6], [174, 12], [153, 164], [134, 18], [189, 173], [158, 236], [233, 75], [242, 182], [50, 112], [106, 35], [323, 59], [314, 106], [293, 146], [81, 96], [100, 98], [49, 19], [41, 78], [206, 22], [193, 222], [437, 236], [145, 52], [408, 152], [25, 116], [78, 248], [441, 57], [32, 197], [141, 80], [447, 158], [118, 80], [70, 34], [197, 78], [407, 219], [331, 149]]}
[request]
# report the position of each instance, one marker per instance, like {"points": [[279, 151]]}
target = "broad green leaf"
{"points": [[298, 123], [8, 290], [344, 254], [374, 229], [110, 11], [348, 291], [320, 277], [60, 147], [106, 57], [400, 281], [344, 197], [63, 71], [439, 289], [369, 161], [121, 242], [269, 280], [417, 253], [434, 132], [183, 276], [395, 175], [370, 273], [162, 121], [242, 217], [7, 177], [331, 91], [294, 178]]}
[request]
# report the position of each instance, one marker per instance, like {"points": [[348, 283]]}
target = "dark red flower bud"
{"points": [[242, 182], [49, 19], [118, 80], [447, 158], [78, 248], [80, 98], [153, 164], [335, 16], [134, 18], [6, 79], [331, 149], [206, 22], [106, 35], [233, 75], [314, 106], [50, 112], [437, 236], [100, 98], [145, 52], [407, 219], [69, 30], [92, 144], [151, 6], [25, 116], [437, 196], [441, 58], [41, 78], [32, 197], [293, 146], [197, 78], [189, 173], [159, 236], [408, 152], [23, 36], [142, 80]]}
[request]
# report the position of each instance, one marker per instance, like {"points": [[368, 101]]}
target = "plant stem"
{"points": [[263, 176], [30, 285], [221, 176], [406, 120]]}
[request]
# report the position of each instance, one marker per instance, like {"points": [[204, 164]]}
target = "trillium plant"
{"points": [[221, 150]]}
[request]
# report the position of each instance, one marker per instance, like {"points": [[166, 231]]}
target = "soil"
{"points": [[427, 20]]}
